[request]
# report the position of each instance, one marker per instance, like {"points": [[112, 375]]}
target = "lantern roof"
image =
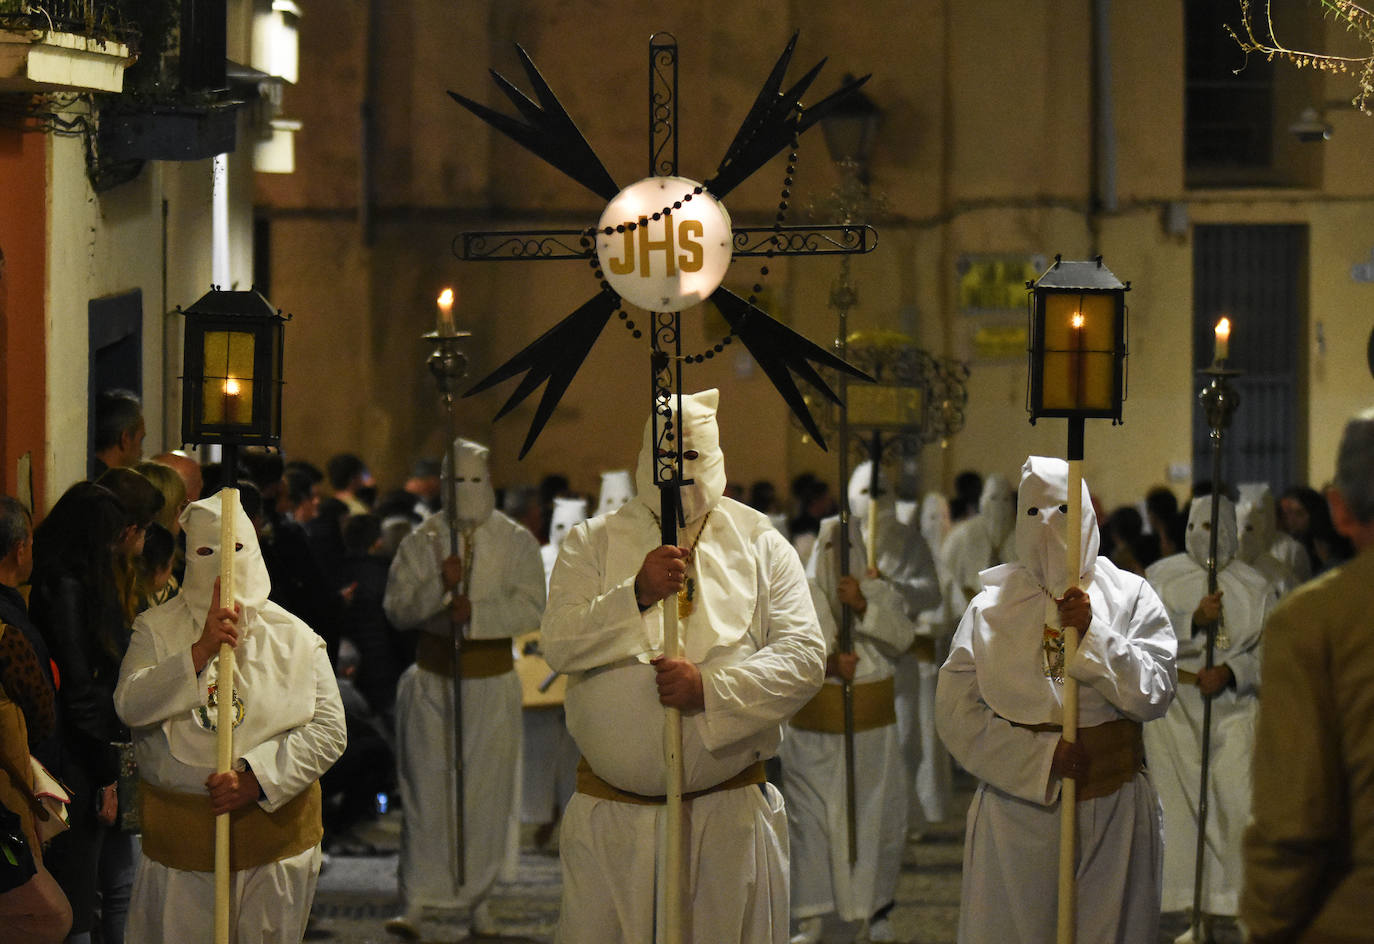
{"points": [[224, 302], [1089, 275]]}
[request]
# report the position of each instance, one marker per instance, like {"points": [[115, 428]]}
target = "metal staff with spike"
{"points": [[448, 364], [1219, 403]]}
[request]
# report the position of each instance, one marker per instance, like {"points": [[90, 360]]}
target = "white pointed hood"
{"points": [[617, 488], [1041, 519], [706, 471], [1198, 539], [566, 513], [997, 507], [201, 522], [1256, 525], [476, 497], [935, 523]]}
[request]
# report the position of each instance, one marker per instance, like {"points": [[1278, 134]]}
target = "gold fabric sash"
{"points": [[482, 658], [873, 708], [592, 785], [1116, 753], [179, 830]]}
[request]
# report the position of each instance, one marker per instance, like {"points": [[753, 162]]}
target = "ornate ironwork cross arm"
{"points": [[513, 245]]}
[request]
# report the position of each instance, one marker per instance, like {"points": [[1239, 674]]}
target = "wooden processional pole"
{"points": [[1068, 788], [224, 703]]}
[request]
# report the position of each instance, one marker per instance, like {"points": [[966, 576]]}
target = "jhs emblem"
{"points": [[207, 715], [1052, 646], [664, 243]]}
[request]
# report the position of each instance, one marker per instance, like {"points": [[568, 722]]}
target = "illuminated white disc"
{"points": [[669, 263]]}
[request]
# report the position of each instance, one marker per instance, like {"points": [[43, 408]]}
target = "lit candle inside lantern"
{"points": [[1223, 332], [1076, 364], [231, 401], [445, 324]]}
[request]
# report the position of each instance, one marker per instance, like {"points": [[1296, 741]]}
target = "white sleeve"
{"points": [[151, 690], [414, 586], [512, 604], [1013, 759], [1129, 660], [289, 762], [768, 686], [584, 628]]}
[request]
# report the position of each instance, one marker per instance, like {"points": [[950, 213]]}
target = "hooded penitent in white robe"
{"points": [[507, 593], [998, 682], [617, 489], [813, 761], [289, 730], [1257, 530], [550, 769], [753, 634], [977, 543], [1174, 744]]}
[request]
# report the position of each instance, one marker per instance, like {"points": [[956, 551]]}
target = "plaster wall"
{"points": [[115, 242], [988, 146]]}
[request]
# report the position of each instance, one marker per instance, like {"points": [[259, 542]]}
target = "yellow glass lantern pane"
{"points": [[227, 388], [1079, 369], [888, 406]]}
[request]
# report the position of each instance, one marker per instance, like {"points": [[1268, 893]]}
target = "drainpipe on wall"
{"points": [[367, 123], [1104, 196]]}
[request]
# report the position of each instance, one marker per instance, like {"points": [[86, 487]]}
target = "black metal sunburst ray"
{"points": [[769, 126], [555, 356], [546, 130], [780, 351]]}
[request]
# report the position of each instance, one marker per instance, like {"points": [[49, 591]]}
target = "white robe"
{"points": [[761, 661], [270, 904], [1174, 745], [507, 593], [1125, 668], [813, 761], [966, 550]]}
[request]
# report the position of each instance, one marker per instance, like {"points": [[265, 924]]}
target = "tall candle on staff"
{"points": [[1223, 332], [445, 323], [231, 401], [1077, 363]]}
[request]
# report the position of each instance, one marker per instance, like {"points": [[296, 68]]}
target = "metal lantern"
{"points": [[232, 370], [1078, 341]]}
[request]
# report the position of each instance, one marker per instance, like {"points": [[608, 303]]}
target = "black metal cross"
{"points": [[775, 121]]}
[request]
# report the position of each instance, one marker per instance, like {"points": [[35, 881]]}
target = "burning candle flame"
{"points": [[231, 387], [446, 298], [1077, 321]]}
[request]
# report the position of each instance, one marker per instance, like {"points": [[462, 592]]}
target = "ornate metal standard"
{"points": [[449, 365], [915, 399], [648, 223], [774, 123], [1219, 403]]}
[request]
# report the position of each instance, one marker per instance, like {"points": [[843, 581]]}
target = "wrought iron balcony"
{"points": [[64, 44]]}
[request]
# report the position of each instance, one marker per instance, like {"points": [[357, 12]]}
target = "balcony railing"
{"points": [[64, 45], [98, 19]]}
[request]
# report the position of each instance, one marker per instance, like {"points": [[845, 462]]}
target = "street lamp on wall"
{"points": [[850, 131], [232, 370], [1078, 341]]}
